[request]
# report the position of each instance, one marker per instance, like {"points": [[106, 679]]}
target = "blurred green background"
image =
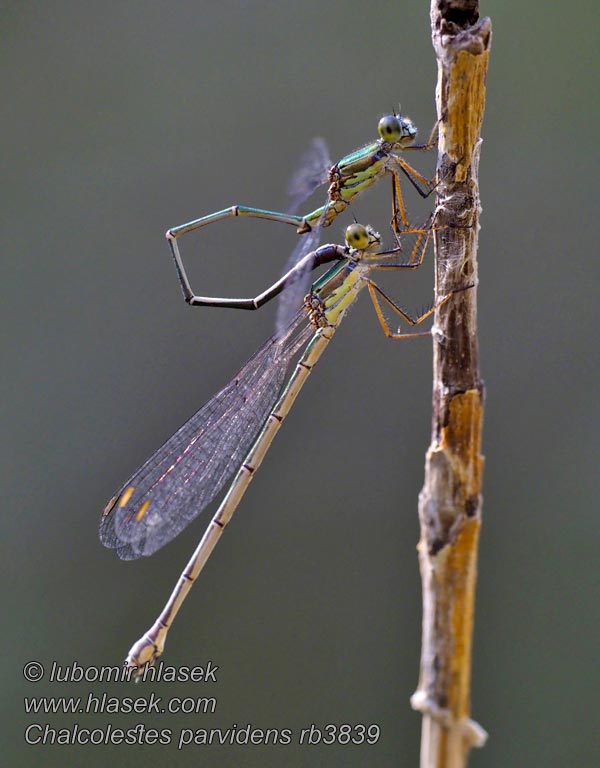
{"points": [[121, 119]]}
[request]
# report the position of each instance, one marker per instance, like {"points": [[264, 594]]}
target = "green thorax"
{"points": [[349, 177], [337, 289], [357, 171]]}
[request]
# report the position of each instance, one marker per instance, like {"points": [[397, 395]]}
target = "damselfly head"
{"points": [[361, 238], [397, 130]]}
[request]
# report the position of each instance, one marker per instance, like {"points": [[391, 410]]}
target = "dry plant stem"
{"points": [[450, 502]]}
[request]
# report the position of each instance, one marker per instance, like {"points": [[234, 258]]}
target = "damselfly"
{"points": [[233, 431], [347, 178]]}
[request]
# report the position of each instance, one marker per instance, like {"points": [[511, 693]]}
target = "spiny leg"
{"points": [[377, 294], [418, 250], [416, 178], [398, 208], [431, 141]]}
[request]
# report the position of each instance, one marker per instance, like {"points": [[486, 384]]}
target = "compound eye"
{"points": [[390, 128], [357, 237]]}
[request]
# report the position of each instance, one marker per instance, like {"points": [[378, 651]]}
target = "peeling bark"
{"points": [[450, 501]]}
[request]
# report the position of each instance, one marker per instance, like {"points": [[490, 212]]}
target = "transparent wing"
{"points": [[312, 172], [188, 471], [296, 289]]}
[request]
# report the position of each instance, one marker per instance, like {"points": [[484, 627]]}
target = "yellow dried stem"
{"points": [[450, 502]]}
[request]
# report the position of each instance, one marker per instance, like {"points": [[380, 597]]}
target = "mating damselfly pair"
{"points": [[230, 435]]}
